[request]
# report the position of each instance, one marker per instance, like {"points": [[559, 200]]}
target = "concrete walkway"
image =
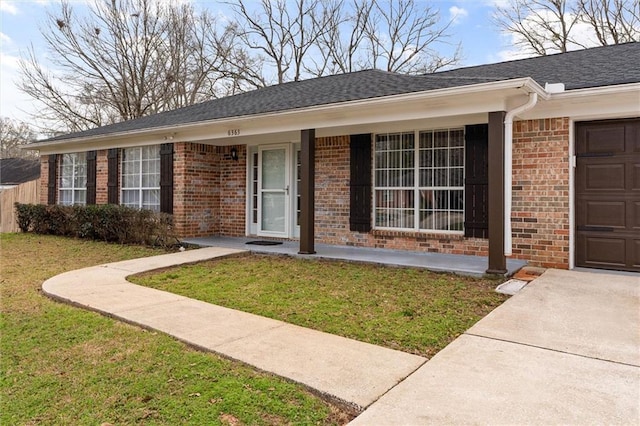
{"points": [[564, 350], [349, 372]]}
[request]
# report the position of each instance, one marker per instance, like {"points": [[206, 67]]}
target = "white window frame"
{"points": [[78, 174], [135, 183], [406, 196]]}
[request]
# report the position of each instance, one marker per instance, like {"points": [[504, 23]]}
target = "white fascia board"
{"points": [[338, 114], [619, 101]]}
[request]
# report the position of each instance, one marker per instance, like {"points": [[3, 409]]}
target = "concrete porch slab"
{"points": [[439, 262]]}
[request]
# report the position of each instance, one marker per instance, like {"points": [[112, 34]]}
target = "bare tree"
{"points": [[131, 58], [612, 21], [13, 135], [542, 27], [283, 35], [304, 38], [401, 37], [342, 41]]}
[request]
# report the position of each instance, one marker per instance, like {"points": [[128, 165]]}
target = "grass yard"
{"points": [[62, 365], [406, 309]]}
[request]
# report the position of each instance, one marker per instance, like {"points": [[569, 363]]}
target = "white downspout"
{"points": [[508, 166]]}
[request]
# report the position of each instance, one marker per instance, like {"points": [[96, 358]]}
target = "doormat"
{"points": [[264, 243]]}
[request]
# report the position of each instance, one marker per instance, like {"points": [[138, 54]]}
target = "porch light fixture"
{"points": [[234, 154]]}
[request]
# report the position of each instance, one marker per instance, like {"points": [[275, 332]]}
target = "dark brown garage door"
{"points": [[608, 195]]}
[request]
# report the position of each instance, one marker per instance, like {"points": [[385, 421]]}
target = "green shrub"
{"points": [[105, 222]]}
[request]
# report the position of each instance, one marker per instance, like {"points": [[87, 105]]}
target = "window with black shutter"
{"points": [[360, 183], [476, 187], [91, 177], [112, 176], [166, 178]]}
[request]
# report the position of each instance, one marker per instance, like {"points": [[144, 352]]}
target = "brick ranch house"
{"points": [[538, 159]]}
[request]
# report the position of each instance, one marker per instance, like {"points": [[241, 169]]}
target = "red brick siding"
{"points": [[332, 190], [196, 203], [232, 191], [44, 179], [540, 218], [101, 176]]}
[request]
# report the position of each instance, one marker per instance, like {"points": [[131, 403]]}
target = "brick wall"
{"points": [[101, 176], [232, 191], [540, 218], [196, 203], [44, 179]]}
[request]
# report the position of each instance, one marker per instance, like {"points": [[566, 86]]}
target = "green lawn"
{"points": [[407, 309], [62, 365]]}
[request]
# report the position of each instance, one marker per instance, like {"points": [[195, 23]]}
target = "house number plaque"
{"points": [[233, 132]]}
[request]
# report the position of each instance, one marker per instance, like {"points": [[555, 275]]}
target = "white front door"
{"points": [[274, 205]]}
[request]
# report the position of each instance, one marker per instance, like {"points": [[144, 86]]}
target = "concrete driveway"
{"points": [[564, 350]]}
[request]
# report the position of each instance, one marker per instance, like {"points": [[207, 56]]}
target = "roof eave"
{"points": [[526, 84]]}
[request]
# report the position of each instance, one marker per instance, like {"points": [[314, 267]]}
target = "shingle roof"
{"points": [[580, 69], [14, 171], [595, 67]]}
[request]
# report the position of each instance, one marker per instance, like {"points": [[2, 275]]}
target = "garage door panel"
{"points": [[604, 177], [604, 251], [605, 139], [606, 213], [608, 195], [635, 253]]}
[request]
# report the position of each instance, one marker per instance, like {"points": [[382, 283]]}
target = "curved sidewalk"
{"points": [[351, 372]]}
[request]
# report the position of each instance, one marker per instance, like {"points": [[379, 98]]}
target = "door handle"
{"points": [[287, 189]]}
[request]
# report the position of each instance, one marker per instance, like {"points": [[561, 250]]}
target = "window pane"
{"points": [[441, 139], [273, 170], [456, 157], [151, 199], [80, 196], [456, 177], [130, 198], [440, 176], [65, 197]]}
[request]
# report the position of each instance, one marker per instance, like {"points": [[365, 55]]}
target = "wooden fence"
{"points": [[28, 192]]}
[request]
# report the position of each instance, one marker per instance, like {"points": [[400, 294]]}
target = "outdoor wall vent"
{"points": [[554, 87]]}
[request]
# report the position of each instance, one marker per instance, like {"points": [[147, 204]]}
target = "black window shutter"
{"points": [[476, 184], [91, 177], [360, 183], [51, 189], [166, 178], [112, 176]]}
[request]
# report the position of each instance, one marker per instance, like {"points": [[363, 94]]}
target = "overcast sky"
{"points": [[21, 20]]}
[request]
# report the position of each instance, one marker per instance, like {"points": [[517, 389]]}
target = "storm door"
{"points": [[274, 191]]}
